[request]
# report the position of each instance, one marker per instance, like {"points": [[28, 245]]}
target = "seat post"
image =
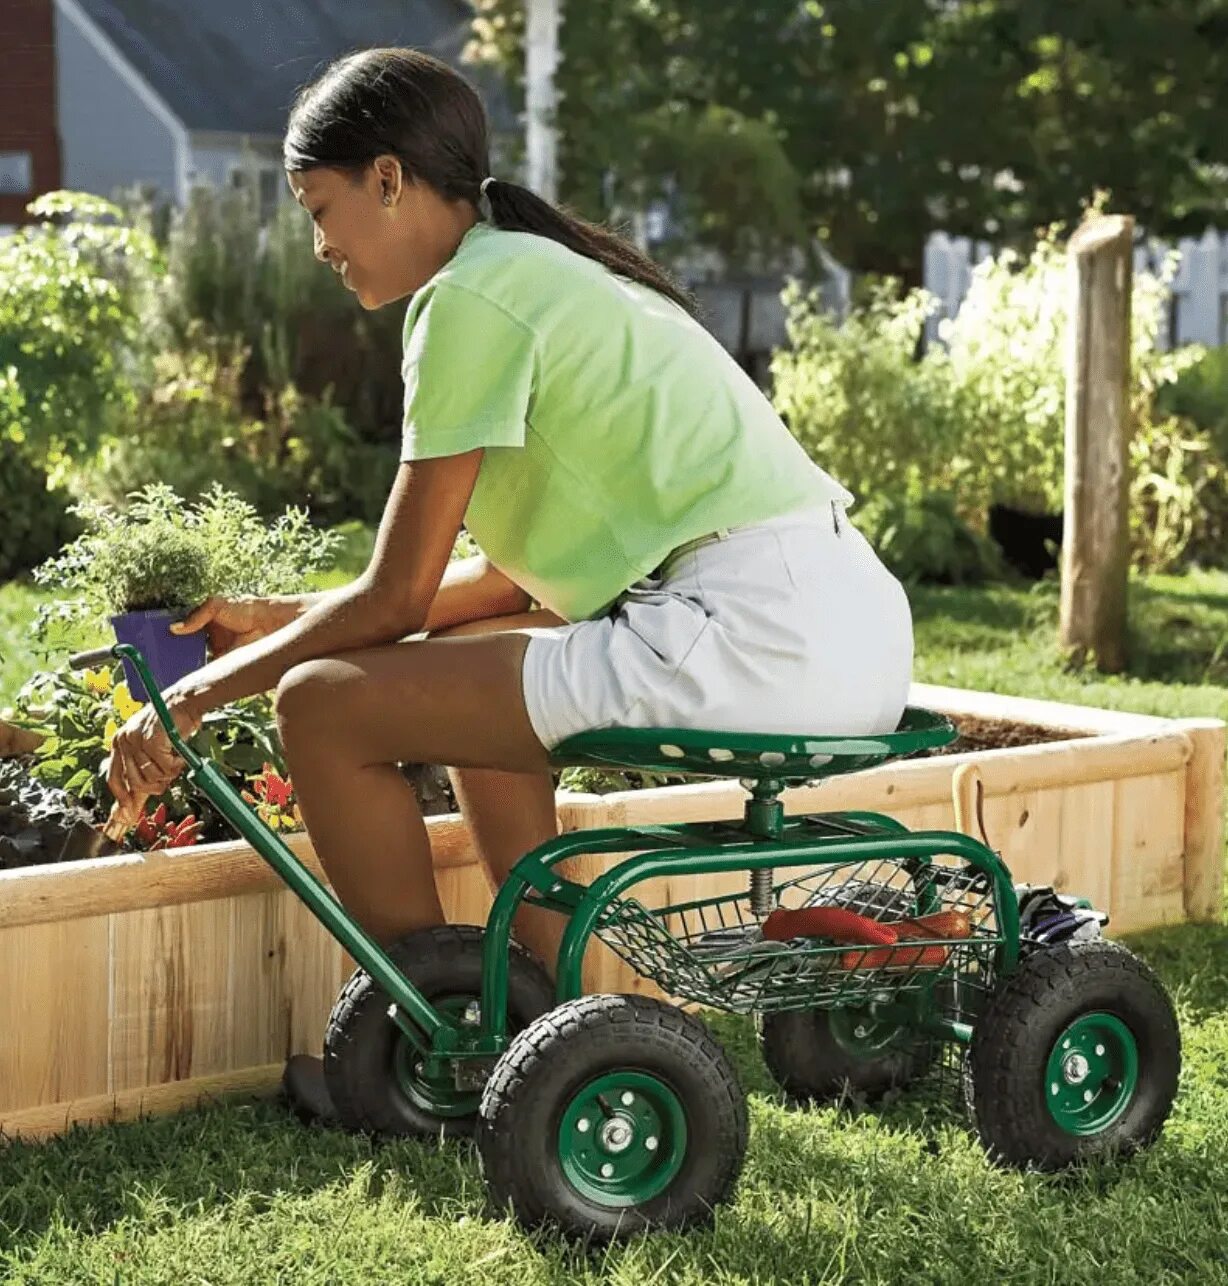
{"points": [[765, 814], [765, 818]]}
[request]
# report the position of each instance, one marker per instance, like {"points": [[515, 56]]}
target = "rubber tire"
{"points": [[1004, 1073], [810, 1065], [361, 1040], [551, 1060]]}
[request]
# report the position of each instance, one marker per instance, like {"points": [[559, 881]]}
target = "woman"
{"points": [[612, 463]]}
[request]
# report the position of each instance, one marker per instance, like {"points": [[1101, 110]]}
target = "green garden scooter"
{"points": [[862, 948]]}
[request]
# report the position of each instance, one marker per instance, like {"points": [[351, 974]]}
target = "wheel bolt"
{"points": [[582, 1124], [859, 1032], [651, 1143], [1100, 1051], [607, 1170], [628, 1098]]}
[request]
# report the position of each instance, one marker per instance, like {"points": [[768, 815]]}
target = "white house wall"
{"points": [[110, 135]]}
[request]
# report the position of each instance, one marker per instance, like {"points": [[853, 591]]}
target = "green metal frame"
{"points": [[766, 839]]}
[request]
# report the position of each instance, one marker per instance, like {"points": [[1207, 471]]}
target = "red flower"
{"points": [[273, 788], [156, 832]]}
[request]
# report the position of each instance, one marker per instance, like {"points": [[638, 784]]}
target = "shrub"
{"points": [[264, 288], [191, 427], [923, 538], [75, 323], [35, 515], [980, 417]]}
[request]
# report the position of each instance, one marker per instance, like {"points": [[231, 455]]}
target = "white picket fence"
{"points": [[1198, 298]]}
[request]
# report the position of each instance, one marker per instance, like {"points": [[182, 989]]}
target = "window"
{"points": [[16, 173], [268, 187]]}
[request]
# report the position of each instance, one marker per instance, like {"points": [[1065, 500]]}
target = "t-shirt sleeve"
{"points": [[469, 373]]}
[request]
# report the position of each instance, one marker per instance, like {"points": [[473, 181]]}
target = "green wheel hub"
{"points": [[623, 1139], [857, 1033], [433, 1096], [1092, 1074]]}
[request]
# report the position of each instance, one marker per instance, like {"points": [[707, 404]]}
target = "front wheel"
{"points": [[1078, 1055], [612, 1114]]}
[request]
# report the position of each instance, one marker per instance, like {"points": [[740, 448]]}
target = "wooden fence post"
{"points": [[1095, 540]]}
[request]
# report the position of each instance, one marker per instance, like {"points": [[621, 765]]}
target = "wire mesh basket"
{"points": [[718, 952]]}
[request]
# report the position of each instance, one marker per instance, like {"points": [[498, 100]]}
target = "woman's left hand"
{"points": [[143, 763]]}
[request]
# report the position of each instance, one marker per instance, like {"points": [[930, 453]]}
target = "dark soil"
{"points": [[996, 734]]}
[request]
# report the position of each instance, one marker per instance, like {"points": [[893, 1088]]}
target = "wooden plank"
{"points": [[1148, 860], [138, 881], [1057, 715], [1204, 820], [1086, 842], [1025, 829], [315, 969], [259, 1014], [68, 890], [170, 997], [129, 1105], [53, 1012]]}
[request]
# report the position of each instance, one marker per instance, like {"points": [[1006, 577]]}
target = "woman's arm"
{"points": [[392, 597], [472, 589]]}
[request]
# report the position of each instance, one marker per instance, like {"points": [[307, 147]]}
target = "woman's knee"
{"points": [[308, 696]]}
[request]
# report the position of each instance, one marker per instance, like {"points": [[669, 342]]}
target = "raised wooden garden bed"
{"points": [[143, 982]]}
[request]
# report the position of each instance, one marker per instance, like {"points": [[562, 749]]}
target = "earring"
{"points": [[387, 198]]}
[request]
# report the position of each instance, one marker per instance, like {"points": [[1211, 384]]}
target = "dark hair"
{"points": [[410, 105]]}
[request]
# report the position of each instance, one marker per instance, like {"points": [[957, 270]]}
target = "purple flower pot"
{"points": [[169, 656]]}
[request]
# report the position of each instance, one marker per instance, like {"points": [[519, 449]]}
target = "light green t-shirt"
{"points": [[616, 427]]}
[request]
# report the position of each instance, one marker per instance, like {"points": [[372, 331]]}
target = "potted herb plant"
{"points": [[145, 566]]}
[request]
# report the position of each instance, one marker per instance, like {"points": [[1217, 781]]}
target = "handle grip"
{"points": [[98, 656]]}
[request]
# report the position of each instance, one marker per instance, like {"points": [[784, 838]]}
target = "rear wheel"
{"points": [[1078, 1055], [823, 1055], [373, 1071]]}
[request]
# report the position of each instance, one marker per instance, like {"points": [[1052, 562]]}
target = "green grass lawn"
{"points": [[241, 1193]]}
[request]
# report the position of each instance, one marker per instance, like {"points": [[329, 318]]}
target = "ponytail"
{"points": [[518, 209]]}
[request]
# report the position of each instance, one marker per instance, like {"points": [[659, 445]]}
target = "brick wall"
{"points": [[27, 98]]}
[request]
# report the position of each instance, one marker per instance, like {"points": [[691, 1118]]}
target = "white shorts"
{"points": [[786, 626]]}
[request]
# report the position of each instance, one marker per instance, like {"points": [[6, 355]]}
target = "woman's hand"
{"points": [[231, 622], [143, 763]]}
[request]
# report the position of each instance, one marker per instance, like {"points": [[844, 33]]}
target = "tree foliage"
{"points": [[884, 119]]}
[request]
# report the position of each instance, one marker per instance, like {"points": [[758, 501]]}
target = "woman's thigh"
{"points": [[455, 700]]}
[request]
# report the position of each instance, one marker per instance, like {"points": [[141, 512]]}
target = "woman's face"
{"points": [[383, 250]]}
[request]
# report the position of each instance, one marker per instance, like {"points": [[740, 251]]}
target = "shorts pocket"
{"points": [[667, 625]]}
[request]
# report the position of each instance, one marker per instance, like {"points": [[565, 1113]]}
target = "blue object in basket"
{"points": [[170, 656]]}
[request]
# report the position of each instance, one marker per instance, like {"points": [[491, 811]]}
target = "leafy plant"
{"points": [[76, 323], [78, 715], [923, 538], [980, 417], [176, 554]]}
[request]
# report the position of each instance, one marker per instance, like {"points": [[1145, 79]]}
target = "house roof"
{"points": [[235, 65]]}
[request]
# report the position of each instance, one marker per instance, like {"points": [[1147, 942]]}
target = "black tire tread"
{"points": [[647, 1021], [446, 942], [1004, 1115], [804, 1059]]}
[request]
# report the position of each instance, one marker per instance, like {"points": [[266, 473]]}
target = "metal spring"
{"points": [[761, 892]]}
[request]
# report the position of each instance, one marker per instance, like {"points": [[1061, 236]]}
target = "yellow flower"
{"points": [[124, 702], [275, 821], [98, 681], [108, 733]]}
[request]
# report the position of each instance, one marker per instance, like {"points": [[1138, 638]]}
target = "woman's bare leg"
{"points": [[347, 721], [510, 813]]}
